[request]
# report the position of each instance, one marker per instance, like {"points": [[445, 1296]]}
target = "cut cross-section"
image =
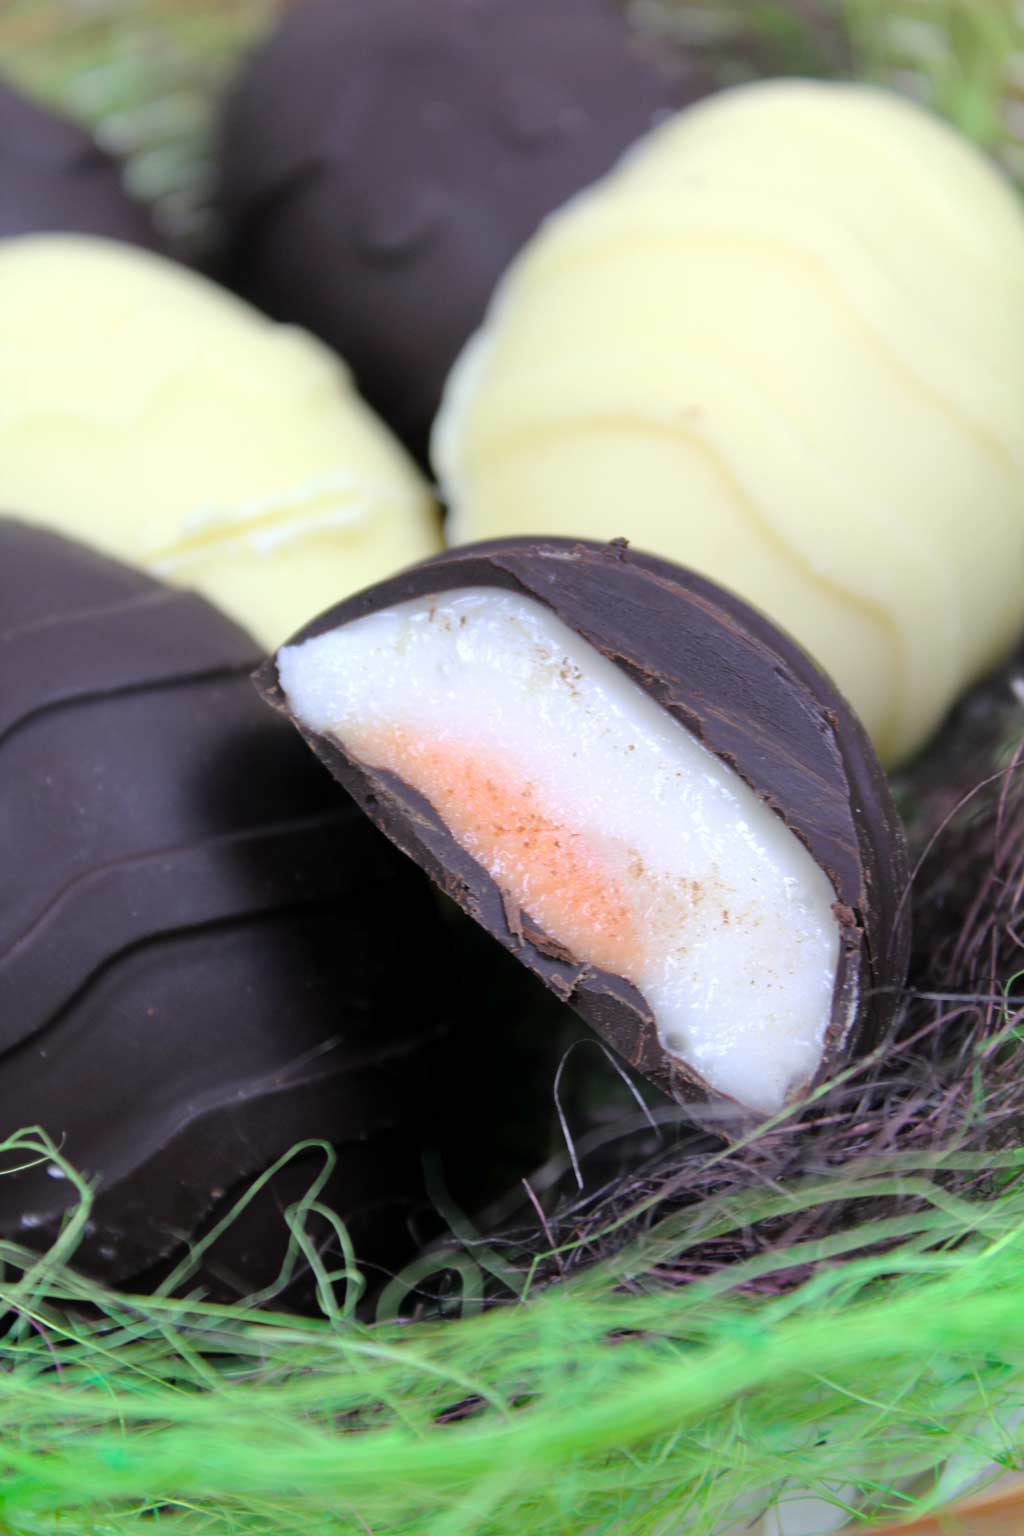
{"points": [[602, 820]]}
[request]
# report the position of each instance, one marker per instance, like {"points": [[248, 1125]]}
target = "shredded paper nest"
{"points": [[656, 1333]]}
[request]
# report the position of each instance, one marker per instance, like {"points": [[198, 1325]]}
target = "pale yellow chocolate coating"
{"points": [[782, 343], [147, 411]]}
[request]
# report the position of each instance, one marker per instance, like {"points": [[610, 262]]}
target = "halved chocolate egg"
{"points": [[637, 784]]}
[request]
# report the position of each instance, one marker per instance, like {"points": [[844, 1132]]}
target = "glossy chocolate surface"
{"points": [[382, 163], [207, 955], [749, 694]]}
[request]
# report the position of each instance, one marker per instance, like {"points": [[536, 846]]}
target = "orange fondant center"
{"points": [[546, 866]]}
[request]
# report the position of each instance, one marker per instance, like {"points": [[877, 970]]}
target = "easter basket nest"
{"points": [[654, 1333]]}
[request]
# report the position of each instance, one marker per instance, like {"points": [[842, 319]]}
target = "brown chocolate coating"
{"points": [[54, 177], [207, 955], [383, 162], [749, 694]]}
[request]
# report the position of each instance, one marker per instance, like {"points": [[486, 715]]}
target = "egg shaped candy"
{"points": [[147, 410], [382, 163], [207, 958], [783, 344]]}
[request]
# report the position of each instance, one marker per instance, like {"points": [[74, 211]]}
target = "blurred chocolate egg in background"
{"points": [[382, 163]]}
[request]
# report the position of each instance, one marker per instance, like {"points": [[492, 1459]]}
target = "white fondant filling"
{"points": [[653, 858]]}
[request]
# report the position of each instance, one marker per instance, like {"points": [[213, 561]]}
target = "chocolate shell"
{"points": [[749, 695], [382, 163], [207, 956], [54, 177]]}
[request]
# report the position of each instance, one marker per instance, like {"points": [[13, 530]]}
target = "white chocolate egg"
{"points": [[781, 343], [144, 409]]}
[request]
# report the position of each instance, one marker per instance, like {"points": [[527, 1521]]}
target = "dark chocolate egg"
{"points": [[639, 786], [207, 956], [54, 177], [382, 163]]}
